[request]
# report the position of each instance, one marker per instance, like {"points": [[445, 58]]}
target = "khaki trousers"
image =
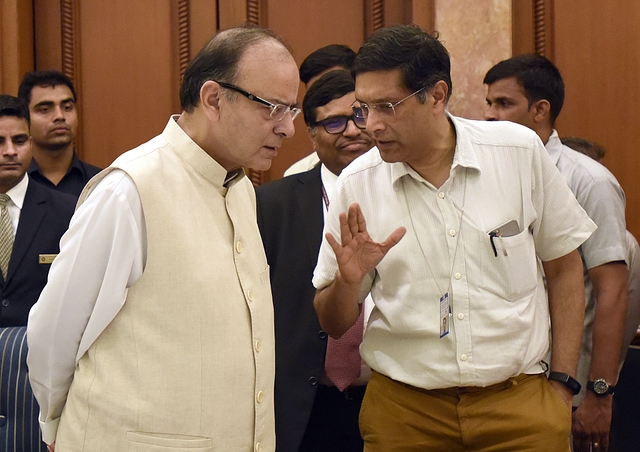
{"points": [[524, 413]]}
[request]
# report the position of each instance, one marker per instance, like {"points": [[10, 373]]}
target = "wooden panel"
{"points": [[16, 43], [523, 34], [232, 13], [203, 23], [308, 25], [129, 67], [423, 14], [596, 49], [48, 34]]}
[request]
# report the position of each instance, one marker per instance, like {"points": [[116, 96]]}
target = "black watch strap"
{"points": [[566, 380]]}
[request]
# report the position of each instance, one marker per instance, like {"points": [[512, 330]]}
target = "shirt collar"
{"points": [[197, 158], [464, 154], [76, 165], [17, 192], [554, 147]]}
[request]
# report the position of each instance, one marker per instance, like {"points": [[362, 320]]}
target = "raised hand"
{"points": [[358, 254]]}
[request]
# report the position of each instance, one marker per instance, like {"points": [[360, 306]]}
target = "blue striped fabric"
{"points": [[19, 429]]}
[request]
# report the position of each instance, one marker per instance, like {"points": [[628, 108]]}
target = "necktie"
{"points": [[6, 235], [342, 363]]}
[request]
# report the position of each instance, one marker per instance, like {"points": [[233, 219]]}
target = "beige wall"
{"points": [[477, 35]]}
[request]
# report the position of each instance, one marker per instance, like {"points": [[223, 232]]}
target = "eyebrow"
{"points": [[49, 103]]}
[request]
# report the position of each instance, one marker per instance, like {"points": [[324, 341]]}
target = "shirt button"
{"points": [[258, 447], [239, 247], [257, 345], [259, 396], [452, 232], [460, 316], [249, 295], [458, 275], [441, 195], [463, 357]]}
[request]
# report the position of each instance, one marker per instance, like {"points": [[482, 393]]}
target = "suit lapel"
{"points": [[31, 215], [309, 197]]}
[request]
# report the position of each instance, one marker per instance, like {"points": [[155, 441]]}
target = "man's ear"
{"points": [[312, 136], [210, 95], [541, 111], [439, 92]]}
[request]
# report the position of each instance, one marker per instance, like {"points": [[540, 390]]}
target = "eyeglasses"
{"points": [[338, 124], [278, 111], [383, 108]]}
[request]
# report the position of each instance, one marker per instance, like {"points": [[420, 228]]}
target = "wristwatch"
{"points": [[566, 380], [600, 387]]}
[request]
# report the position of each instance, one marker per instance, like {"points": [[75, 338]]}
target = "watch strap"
{"points": [[567, 380], [591, 387]]}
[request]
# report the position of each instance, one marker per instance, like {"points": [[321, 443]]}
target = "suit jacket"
{"points": [[290, 218], [44, 218]]}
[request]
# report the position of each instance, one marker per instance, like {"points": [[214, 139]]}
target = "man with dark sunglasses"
{"points": [[313, 412]]}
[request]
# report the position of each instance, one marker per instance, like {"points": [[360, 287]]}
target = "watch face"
{"points": [[600, 387]]}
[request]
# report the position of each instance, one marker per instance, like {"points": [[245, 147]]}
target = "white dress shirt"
{"points": [[499, 325], [16, 194]]}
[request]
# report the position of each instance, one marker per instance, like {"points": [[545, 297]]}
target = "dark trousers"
{"points": [[333, 424], [625, 435]]}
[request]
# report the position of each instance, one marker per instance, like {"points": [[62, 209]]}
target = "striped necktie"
{"points": [[6, 235]]}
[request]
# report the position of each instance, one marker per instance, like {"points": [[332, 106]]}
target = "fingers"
{"points": [[393, 239], [335, 246], [356, 220]]}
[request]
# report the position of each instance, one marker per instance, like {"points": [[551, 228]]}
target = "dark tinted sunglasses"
{"points": [[338, 124]]}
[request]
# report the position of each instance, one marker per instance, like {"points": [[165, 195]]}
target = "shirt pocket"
{"points": [[509, 271], [162, 442]]}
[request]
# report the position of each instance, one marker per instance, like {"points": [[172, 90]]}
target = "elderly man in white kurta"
{"points": [[156, 327]]}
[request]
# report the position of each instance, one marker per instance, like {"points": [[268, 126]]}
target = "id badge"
{"points": [[444, 315]]}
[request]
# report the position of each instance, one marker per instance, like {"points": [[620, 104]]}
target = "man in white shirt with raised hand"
{"points": [[457, 213]]}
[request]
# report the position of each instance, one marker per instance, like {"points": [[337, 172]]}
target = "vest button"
{"points": [[257, 447], [239, 247], [322, 334], [259, 396], [249, 295], [313, 381], [5, 302], [257, 345]]}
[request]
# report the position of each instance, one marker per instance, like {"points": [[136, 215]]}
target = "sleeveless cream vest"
{"points": [[188, 362]]}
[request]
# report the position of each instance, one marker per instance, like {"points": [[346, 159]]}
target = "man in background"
{"points": [[626, 401], [529, 90], [319, 62], [155, 330], [51, 98], [313, 413], [32, 218]]}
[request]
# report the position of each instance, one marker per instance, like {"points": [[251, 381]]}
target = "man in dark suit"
{"points": [[38, 215], [312, 414]]}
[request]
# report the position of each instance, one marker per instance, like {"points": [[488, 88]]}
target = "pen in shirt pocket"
{"points": [[508, 229]]}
